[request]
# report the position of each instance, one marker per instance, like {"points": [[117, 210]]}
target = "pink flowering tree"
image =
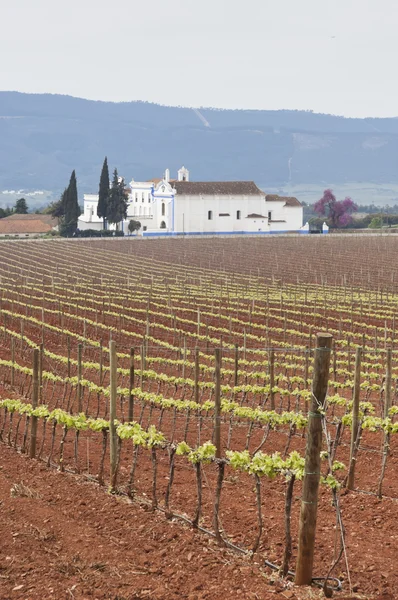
{"points": [[338, 212]]}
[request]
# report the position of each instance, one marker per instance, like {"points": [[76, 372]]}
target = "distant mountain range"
{"points": [[44, 136]]}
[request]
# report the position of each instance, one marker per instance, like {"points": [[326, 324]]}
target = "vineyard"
{"points": [[178, 374]]}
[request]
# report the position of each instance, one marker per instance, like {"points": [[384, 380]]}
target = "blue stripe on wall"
{"points": [[180, 234]]}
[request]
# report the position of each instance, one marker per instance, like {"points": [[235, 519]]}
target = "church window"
{"points": [[210, 215], [269, 215], [238, 214], [163, 209], [143, 197]]}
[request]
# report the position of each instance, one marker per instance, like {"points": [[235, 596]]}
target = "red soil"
{"points": [[72, 540]]}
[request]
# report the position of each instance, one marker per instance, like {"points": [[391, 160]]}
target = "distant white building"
{"points": [[179, 206]]}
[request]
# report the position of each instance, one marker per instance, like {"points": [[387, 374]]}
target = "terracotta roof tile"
{"points": [[233, 188], [32, 217], [288, 200], [23, 226]]}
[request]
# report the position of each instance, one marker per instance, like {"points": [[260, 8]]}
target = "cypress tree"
{"points": [[103, 193], [68, 209], [117, 202]]}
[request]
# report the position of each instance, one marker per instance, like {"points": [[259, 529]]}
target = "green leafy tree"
{"points": [[21, 208], [103, 193], [376, 223], [67, 209], [117, 202], [134, 226], [49, 209]]}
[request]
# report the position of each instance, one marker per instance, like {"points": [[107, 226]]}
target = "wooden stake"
{"points": [[184, 357], [142, 365], [12, 361], [309, 502], [355, 418], [41, 358], [387, 406], [271, 368], [217, 401], [112, 414], [131, 387], [236, 365], [68, 344], [196, 396], [79, 378], [22, 332], [35, 398]]}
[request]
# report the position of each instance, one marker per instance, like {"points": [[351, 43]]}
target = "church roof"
{"points": [[211, 188], [288, 200]]}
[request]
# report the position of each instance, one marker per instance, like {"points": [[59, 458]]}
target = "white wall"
{"points": [[140, 201], [284, 218], [191, 213]]}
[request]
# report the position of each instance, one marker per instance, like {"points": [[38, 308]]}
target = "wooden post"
{"points": [[355, 419], [79, 378], [22, 332], [387, 406], [306, 368], [387, 398], [35, 398], [217, 402], [184, 356], [131, 387], [349, 353], [112, 414], [101, 363], [271, 368], [142, 365], [309, 502], [334, 360], [41, 358], [12, 361], [68, 355], [196, 396], [236, 365]]}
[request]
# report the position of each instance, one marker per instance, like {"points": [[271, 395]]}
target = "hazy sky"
{"points": [[333, 56]]}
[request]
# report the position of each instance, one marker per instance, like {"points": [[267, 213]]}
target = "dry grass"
{"points": [[20, 490]]}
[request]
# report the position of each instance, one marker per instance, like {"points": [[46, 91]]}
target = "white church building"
{"points": [[169, 207]]}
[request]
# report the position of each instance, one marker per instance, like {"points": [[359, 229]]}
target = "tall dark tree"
{"points": [[21, 208], [117, 202], [68, 209], [103, 193]]}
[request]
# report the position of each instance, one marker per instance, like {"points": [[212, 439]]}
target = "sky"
{"points": [[329, 56]]}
